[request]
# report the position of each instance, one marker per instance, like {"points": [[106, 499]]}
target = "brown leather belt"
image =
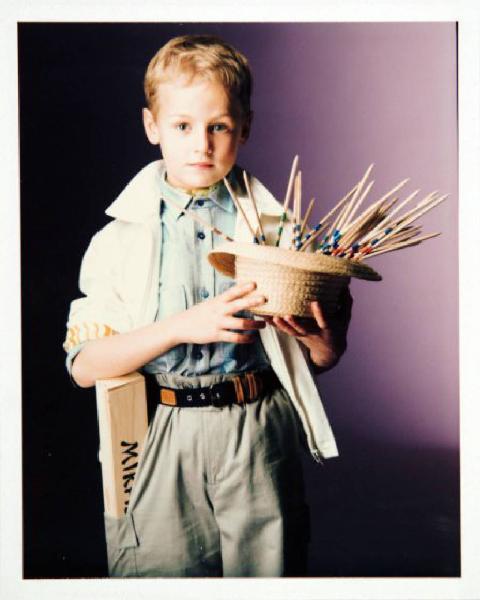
{"points": [[240, 389]]}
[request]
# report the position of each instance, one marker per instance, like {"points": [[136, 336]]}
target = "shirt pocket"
{"points": [[172, 300]]}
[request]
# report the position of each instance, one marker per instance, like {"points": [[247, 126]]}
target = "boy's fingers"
{"points": [[239, 323], [318, 314], [284, 326], [238, 290], [244, 304], [237, 338], [296, 326]]}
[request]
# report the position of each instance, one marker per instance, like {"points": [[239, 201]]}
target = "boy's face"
{"points": [[198, 131]]}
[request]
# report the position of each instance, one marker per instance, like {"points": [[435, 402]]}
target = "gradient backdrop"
{"points": [[341, 95]]}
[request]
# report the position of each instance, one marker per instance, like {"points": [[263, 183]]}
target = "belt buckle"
{"points": [[215, 396]]}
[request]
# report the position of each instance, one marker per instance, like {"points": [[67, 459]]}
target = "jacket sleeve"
{"points": [[102, 310]]}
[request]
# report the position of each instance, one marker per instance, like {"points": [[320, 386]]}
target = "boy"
{"points": [[218, 490]]}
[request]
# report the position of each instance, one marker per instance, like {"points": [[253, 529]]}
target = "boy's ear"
{"points": [[246, 125], [150, 126]]}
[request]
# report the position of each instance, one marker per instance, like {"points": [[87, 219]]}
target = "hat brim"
{"points": [[223, 259]]}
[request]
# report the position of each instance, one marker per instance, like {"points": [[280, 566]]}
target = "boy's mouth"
{"points": [[201, 165]]}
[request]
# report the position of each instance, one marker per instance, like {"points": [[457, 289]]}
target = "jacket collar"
{"points": [[139, 201]]}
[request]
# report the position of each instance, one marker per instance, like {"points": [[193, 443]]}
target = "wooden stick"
{"points": [[376, 230], [428, 197], [425, 202], [297, 199], [388, 219], [290, 183], [286, 202], [240, 209], [313, 238], [294, 211], [352, 232], [367, 247], [339, 204], [335, 224], [298, 216], [252, 200], [386, 209], [382, 199], [318, 228], [396, 188], [365, 224], [307, 214], [355, 225], [414, 216], [195, 217], [416, 213], [402, 235], [397, 221], [395, 239], [360, 185], [341, 217], [400, 246], [358, 203]]}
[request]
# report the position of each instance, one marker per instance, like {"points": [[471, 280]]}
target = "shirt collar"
{"points": [[139, 200], [217, 193]]}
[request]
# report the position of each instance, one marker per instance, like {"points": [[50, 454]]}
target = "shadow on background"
{"points": [[385, 511]]}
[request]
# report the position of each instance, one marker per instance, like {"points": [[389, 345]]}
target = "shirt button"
{"points": [[201, 235], [204, 293], [200, 202]]}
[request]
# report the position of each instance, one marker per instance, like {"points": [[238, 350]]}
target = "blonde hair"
{"points": [[204, 56]]}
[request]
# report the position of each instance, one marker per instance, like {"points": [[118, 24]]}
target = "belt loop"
{"points": [[258, 384], [251, 386], [237, 381], [255, 383]]}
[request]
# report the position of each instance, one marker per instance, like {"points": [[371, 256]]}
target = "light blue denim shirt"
{"points": [[187, 278]]}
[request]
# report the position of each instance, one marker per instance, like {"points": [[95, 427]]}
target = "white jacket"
{"points": [[120, 279]]}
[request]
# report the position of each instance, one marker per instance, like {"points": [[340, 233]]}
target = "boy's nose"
{"points": [[203, 143]]}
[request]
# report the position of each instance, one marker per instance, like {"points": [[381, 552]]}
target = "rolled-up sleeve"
{"points": [[101, 311], [71, 355]]}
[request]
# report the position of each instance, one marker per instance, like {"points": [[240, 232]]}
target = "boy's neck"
{"points": [[193, 191]]}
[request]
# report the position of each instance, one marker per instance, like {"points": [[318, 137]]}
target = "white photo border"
{"points": [[12, 585]]}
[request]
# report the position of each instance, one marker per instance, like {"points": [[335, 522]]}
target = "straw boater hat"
{"points": [[289, 280]]}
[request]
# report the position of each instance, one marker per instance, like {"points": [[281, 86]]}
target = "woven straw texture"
{"points": [[290, 280], [289, 291], [223, 259]]}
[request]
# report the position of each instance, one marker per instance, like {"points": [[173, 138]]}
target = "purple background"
{"points": [[341, 95]]}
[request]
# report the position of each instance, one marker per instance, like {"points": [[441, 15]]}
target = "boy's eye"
{"points": [[216, 127], [181, 126]]}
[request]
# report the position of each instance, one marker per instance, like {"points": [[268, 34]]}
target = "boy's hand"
{"points": [[212, 320], [325, 335]]}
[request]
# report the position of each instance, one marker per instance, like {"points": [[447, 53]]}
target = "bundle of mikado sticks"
{"points": [[317, 263]]}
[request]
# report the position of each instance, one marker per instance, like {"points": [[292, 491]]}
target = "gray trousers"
{"points": [[218, 492]]}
